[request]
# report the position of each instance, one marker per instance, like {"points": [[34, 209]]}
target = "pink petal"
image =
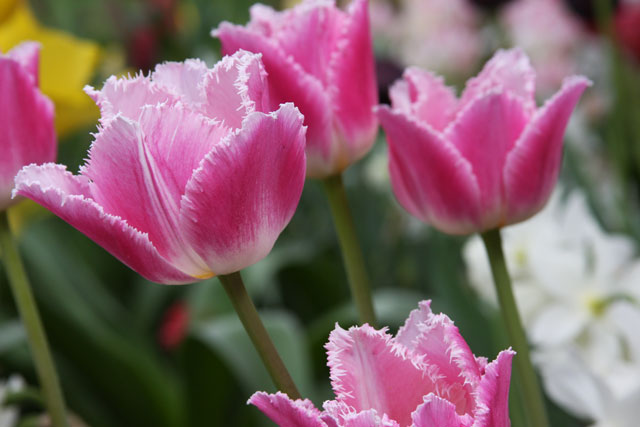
{"points": [[492, 398], [182, 79], [127, 96], [429, 176], [252, 181], [531, 168], [236, 87], [289, 83], [339, 414], [27, 54], [508, 71], [26, 119], [484, 132], [425, 97], [286, 412], [68, 197], [139, 172], [369, 372], [438, 412], [415, 325], [352, 83]]}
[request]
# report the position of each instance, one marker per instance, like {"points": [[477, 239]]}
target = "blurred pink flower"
{"points": [[488, 159], [189, 175], [321, 59], [174, 325], [26, 117], [424, 376]]}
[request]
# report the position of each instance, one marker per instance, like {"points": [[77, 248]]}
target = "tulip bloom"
{"points": [[189, 175], [425, 376], [488, 159], [26, 117], [321, 59]]}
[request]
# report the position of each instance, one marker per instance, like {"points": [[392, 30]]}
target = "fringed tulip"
{"points": [[190, 173], [321, 59], [26, 117], [488, 159], [425, 376]]}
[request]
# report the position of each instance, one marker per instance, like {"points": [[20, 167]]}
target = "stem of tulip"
{"points": [[234, 286], [37, 338], [351, 251], [533, 399]]}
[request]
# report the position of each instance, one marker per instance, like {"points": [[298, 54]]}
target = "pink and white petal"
{"points": [[432, 101], [286, 412], [368, 371], [235, 87], [429, 176], [492, 398], [182, 79], [438, 412], [68, 196], [368, 418], [415, 324], [127, 96], [484, 133], [531, 168], [131, 161], [27, 54], [508, 71], [253, 182], [26, 119], [352, 83], [289, 83]]}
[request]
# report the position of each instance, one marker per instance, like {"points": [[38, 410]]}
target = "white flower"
{"points": [[9, 415]]}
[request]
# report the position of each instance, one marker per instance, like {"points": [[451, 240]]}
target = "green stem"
{"points": [[259, 336], [351, 252], [533, 399], [26, 304]]}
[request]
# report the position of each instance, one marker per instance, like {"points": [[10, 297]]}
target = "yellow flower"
{"points": [[66, 64]]}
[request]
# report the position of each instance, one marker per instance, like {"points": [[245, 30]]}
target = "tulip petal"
{"points": [[27, 54], [352, 84], [438, 412], [26, 120], [127, 96], [288, 83], [492, 399], [508, 71], [429, 176], [286, 412], [484, 132], [150, 163], [531, 168], [68, 197], [368, 371], [253, 181], [414, 325], [182, 79], [236, 87]]}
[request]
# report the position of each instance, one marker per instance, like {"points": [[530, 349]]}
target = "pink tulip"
{"points": [[425, 376], [488, 159], [189, 175], [26, 117], [321, 59]]}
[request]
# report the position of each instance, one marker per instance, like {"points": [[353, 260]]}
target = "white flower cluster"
{"points": [[578, 291], [9, 415]]}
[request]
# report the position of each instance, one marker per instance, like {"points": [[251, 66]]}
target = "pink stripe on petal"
{"points": [[532, 167], [429, 176], [352, 84], [27, 54], [492, 394], [182, 79], [26, 119], [369, 372], [289, 83], [286, 412], [484, 133], [438, 412], [68, 197], [252, 181]]}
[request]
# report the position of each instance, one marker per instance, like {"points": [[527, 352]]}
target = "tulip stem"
{"points": [[351, 251], [533, 399], [234, 286], [37, 338]]}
